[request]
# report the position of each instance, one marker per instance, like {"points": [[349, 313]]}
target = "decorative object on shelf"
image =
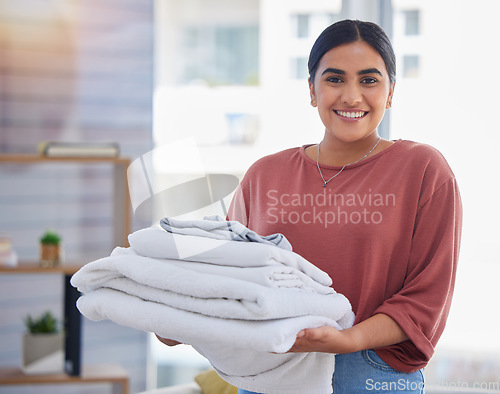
{"points": [[8, 256], [43, 345], [50, 249], [79, 149]]}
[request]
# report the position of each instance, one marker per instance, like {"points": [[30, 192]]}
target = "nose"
{"points": [[351, 94]]}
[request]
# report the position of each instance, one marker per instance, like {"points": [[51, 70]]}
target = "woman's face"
{"points": [[351, 90]]}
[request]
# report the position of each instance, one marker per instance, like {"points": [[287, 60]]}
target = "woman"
{"points": [[382, 217]]}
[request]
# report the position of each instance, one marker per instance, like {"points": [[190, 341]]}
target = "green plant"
{"points": [[50, 238], [43, 324]]}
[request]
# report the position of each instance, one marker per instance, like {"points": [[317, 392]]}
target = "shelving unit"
{"points": [[110, 374], [121, 211], [72, 317], [75, 373]]}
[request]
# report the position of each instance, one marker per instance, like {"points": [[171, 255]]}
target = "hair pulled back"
{"points": [[348, 31]]}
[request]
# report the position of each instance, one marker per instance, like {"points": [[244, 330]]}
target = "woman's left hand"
{"points": [[323, 339], [376, 331]]}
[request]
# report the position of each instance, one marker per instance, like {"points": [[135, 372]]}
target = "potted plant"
{"points": [[50, 249], [43, 345]]}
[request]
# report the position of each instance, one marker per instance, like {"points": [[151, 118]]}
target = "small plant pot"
{"points": [[50, 255], [43, 353]]}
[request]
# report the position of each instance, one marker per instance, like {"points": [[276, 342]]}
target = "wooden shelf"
{"points": [[35, 268], [27, 158], [107, 373]]}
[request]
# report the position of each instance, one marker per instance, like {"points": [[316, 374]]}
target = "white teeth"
{"points": [[350, 114]]}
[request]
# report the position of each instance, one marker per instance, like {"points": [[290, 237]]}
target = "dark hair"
{"points": [[347, 31]]}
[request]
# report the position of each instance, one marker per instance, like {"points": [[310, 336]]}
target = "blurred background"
{"points": [[222, 83]]}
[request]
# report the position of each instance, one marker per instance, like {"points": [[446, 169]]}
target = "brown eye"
{"points": [[334, 79]]}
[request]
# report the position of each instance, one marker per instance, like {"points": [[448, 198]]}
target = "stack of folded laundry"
{"points": [[238, 298]]}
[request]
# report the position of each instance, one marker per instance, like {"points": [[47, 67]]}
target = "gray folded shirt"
{"points": [[218, 228]]}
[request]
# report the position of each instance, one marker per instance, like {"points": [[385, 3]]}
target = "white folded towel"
{"points": [[276, 276], [158, 243], [237, 303], [178, 285], [239, 350]]}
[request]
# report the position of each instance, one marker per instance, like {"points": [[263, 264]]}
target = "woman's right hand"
{"points": [[168, 342]]}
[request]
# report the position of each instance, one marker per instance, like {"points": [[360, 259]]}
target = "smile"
{"points": [[351, 115]]}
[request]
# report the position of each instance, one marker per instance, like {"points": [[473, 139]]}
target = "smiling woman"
{"points": [[395, 261], [398, 268]]}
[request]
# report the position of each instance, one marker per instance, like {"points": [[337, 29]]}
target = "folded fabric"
{"points": [[178, 285], [158, 243], [239, 303], [276, 276], [239, 350], [218, 228]]}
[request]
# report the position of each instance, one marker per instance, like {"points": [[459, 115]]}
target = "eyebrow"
{"points": [[370, 71], [342, 72], [333, 71]]}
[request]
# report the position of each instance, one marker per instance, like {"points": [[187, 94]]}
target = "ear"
{"points": [[312, 93], [390, 95]]}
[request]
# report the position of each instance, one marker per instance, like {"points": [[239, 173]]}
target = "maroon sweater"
{"points": [[387, 230]]}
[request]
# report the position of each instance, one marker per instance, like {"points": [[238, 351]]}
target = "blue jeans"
{"points": [[366, 372]]}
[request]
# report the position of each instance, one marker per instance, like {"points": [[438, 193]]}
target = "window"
{"points": [[412, 22], [242, 128], [411, 65], [299, 68], [302, 23], [220, 55]]}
